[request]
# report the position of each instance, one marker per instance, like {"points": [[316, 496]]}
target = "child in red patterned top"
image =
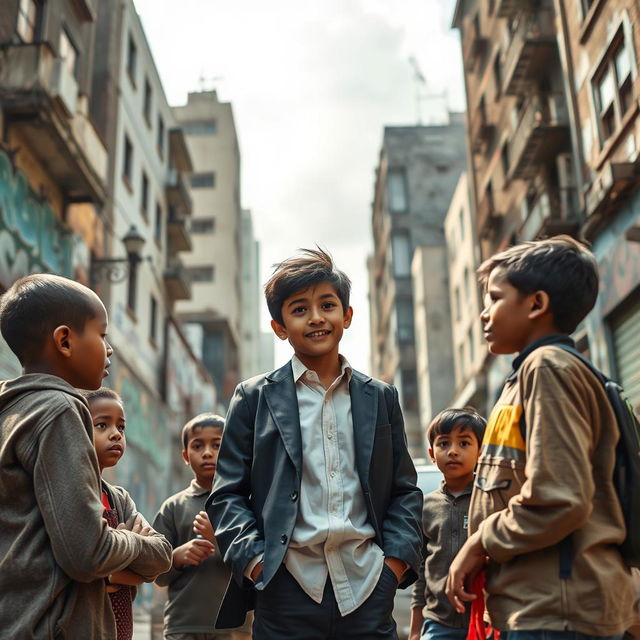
{"points": [[107, 414]]}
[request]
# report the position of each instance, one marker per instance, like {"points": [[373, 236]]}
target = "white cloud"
{"points": [[312, 85]]}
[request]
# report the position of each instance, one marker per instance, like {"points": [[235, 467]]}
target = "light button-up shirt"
{"points": [[332, 535]]}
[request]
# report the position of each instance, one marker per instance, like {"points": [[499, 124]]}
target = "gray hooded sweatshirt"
{"points": [[55, 547]]}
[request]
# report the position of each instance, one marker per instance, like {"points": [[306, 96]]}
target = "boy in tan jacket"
{"points": [[544, 511]]}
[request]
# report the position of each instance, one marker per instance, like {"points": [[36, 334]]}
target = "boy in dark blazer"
{"points": [[314, 505]]}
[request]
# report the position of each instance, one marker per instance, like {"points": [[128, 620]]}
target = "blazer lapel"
{"points": [[282, 401], [364, 408]]}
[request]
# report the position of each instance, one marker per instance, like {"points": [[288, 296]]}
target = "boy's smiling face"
{"points": [[313, 321]]}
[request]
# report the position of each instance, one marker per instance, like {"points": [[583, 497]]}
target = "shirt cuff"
{"points": [[252, 565]]}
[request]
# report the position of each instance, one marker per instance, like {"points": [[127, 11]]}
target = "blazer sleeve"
{"points": [[402, 524], [229, 505]]}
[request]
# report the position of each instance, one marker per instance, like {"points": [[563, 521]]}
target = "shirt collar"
{"points": [[467, 490], [552, 338], [299, 369], [196, 490]]}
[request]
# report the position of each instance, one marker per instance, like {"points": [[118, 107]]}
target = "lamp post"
{"points": [[119, 269]]}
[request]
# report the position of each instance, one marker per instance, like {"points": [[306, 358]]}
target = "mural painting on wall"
{"points": [[31, 237], [619, 274]]}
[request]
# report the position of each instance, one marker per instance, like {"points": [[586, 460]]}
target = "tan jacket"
{"points": [[529, 497]]}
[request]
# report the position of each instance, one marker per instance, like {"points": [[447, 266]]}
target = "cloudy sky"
{"points": [[312, 83]]}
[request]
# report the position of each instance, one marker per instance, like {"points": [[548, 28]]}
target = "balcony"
{"points": [[509, 8], [531, 50], [176, 281], [473, 47], [178, 193], [553, 212], [541, 133], [85, 9], [39, 97], [179, 238], [178, 151], [608, 192], [481, 130], [487, 218]]}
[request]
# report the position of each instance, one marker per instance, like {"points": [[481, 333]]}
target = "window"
{"points": [[160, 141], [68, 53], [203, 225], [29, 17], [404, 317], [200, 127], [497, 76], [457, 303], [203, 180], [505, 160], [461, 223], [397, 189], [147, 101], [127, 161], [472, 345], [401, 255], [157, 225], [132, 290], [613, 85], [153, 319], [132, 59], [144, 195], [201, 274]]}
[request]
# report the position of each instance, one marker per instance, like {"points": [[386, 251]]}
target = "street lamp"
{"points": [[118, 269]]}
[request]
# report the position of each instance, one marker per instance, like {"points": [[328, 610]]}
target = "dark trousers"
{"points": [[285, 612]]}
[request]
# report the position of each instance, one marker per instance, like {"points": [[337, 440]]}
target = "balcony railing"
{"points": [[541, 133], [39, 94], [179, 238], [178, 193], [473, 47], [481, 130], [486, 215], [554, 212], [531, 49], [177, 281]]}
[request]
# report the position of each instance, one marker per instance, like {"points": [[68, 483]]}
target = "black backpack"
{"points": [[626, 474]]}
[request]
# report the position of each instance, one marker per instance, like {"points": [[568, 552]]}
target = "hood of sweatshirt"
{"points": [[10, 390]]}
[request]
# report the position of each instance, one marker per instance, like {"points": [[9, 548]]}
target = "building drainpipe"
{"points": [[568, 76]]}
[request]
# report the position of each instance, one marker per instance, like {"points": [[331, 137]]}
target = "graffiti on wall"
{"points": [[31, 237]]}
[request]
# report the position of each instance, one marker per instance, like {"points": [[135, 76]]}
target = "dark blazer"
{"points": [[253, 505]]}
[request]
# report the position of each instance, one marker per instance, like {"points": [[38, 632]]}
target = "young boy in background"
{"points": [[544, 509], [56, 549], [198, 577], [454, 437]]}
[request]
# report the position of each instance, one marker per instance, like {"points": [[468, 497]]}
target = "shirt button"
{"points": [[294, 496], [329, 435], [332, 474], [283, 539]]}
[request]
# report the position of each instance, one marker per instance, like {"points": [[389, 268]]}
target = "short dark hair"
{"points": [[99, 394], [449, 419], [35, 305], [199, 422], [561, 266], [311, 268]]}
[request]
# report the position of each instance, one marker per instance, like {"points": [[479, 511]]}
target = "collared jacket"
{"points": [[532, 492], [253, 506]]}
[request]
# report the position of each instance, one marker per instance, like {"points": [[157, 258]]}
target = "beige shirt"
{"points": [[332, 536]]}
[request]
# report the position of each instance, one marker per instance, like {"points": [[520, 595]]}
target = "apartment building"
{"points": [[416, 176], [53, 164], [214, 264], [465, 300], [553, 96], [154, 369]]}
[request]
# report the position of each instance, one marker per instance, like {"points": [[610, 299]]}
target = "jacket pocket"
{"points": [[497, 483]]}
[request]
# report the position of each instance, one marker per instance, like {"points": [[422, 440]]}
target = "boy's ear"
{"points": [[185, 457], [62, 340], [539, 304], [348, 316], [280, 330], [433, 458]]}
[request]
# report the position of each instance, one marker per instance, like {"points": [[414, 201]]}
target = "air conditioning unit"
{"points": [[64, 87]]}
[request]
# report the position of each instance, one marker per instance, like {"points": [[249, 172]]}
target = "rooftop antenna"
{"points": [[208, 83], [420, 83]]}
